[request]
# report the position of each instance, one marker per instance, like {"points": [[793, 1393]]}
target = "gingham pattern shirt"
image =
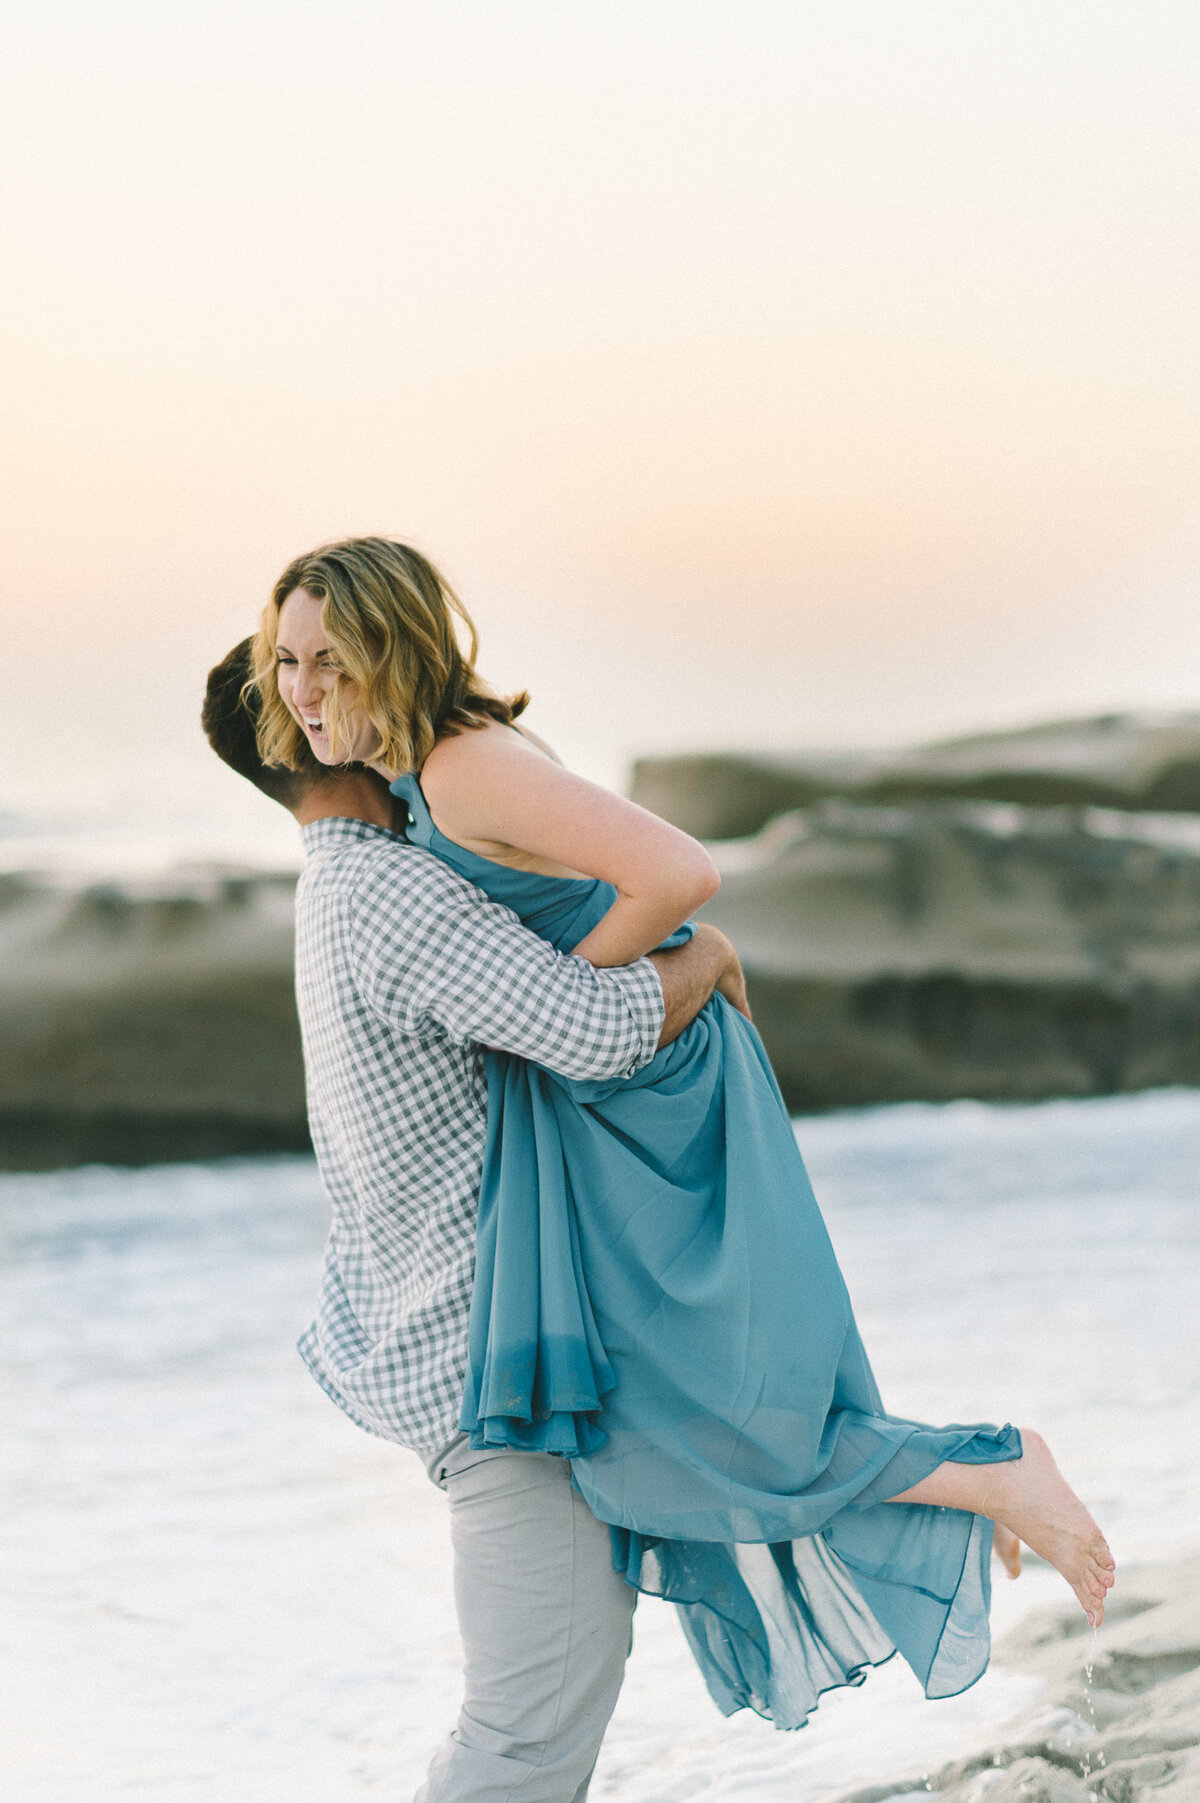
{"points": [[403, 971]]}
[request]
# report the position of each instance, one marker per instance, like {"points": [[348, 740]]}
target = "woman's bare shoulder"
{"points": [[525, 732], [462, 762]]}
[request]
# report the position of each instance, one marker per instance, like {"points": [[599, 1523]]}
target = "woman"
{"points": [[656, 1297]]}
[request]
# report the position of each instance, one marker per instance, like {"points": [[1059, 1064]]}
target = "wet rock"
{"points": [[1132, 761], [1144, 1697], [907, 952], [140, 1024], [1031, 1780], [941, 951]]}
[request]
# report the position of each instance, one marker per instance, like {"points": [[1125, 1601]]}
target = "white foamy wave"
{"points": [[225, 1590]]}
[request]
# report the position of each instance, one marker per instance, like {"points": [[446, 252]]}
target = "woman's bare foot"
{"points": [[1007, 1548], [1032, 1499]]}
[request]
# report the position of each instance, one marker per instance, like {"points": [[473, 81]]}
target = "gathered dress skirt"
{"points": [[657, 1300]]}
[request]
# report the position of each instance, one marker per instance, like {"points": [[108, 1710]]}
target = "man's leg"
{"points": [[545, 1623]]}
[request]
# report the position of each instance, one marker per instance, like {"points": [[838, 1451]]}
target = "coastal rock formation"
{"points": [[1137, 761], [912, 951], [139, 1024], [938, 951], [1128, 1732]]}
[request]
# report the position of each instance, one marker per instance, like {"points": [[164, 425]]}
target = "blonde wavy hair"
{"points": [[390, 620]]}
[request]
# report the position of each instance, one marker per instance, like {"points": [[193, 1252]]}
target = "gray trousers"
{"points": [[546, 1625]]}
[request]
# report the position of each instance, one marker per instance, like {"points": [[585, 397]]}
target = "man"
{"points": [[403, 972]]}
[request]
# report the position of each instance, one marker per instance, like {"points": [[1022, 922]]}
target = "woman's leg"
{"points": [[1007, 1547], [1032, 1499]]}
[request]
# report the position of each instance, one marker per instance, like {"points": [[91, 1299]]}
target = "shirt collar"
{"points": [[342, 829]]}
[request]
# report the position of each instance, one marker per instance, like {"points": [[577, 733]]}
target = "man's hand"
{"points": [[690, 973], [732, 984]]}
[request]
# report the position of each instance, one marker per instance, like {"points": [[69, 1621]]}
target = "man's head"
{"points": [[229, 717]]}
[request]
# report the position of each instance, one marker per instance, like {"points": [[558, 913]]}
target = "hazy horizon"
{"points": [[795, 375]]}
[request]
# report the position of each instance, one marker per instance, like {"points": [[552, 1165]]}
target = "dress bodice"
{"points": [[560, 909]]}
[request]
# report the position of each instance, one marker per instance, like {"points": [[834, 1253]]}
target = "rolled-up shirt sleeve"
{"points": [[433, 953]]}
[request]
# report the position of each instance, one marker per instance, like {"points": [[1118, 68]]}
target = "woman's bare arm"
{"points": [[498, 795]]}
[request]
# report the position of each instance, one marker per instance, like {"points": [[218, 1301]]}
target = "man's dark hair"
{"points": [[229, 716]]}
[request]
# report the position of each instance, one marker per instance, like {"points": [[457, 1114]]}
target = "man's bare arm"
{"points": [[690, 973]]}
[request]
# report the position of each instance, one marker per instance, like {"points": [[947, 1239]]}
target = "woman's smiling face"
{"points": [[306, 671]]}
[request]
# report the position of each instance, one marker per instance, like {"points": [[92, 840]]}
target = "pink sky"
{"points": [[764, 375]]}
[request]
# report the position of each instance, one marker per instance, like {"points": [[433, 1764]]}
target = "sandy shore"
{"points": [[1120, 1720]]}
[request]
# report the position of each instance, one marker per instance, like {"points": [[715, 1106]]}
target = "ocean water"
{"points": [[214, 1587]]}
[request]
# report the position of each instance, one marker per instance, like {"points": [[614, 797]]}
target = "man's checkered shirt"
{"points": [[403, 971]]}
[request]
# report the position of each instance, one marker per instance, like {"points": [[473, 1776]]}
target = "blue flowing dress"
{"points": [[657, 1299]]}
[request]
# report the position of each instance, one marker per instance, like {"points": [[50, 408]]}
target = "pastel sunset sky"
{"points": [[762, 374]]}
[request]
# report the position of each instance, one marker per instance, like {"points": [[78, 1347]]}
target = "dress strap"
{"points": [[420, 821]]}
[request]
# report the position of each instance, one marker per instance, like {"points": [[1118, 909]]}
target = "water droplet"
{"points": [[1089, 1666]]}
